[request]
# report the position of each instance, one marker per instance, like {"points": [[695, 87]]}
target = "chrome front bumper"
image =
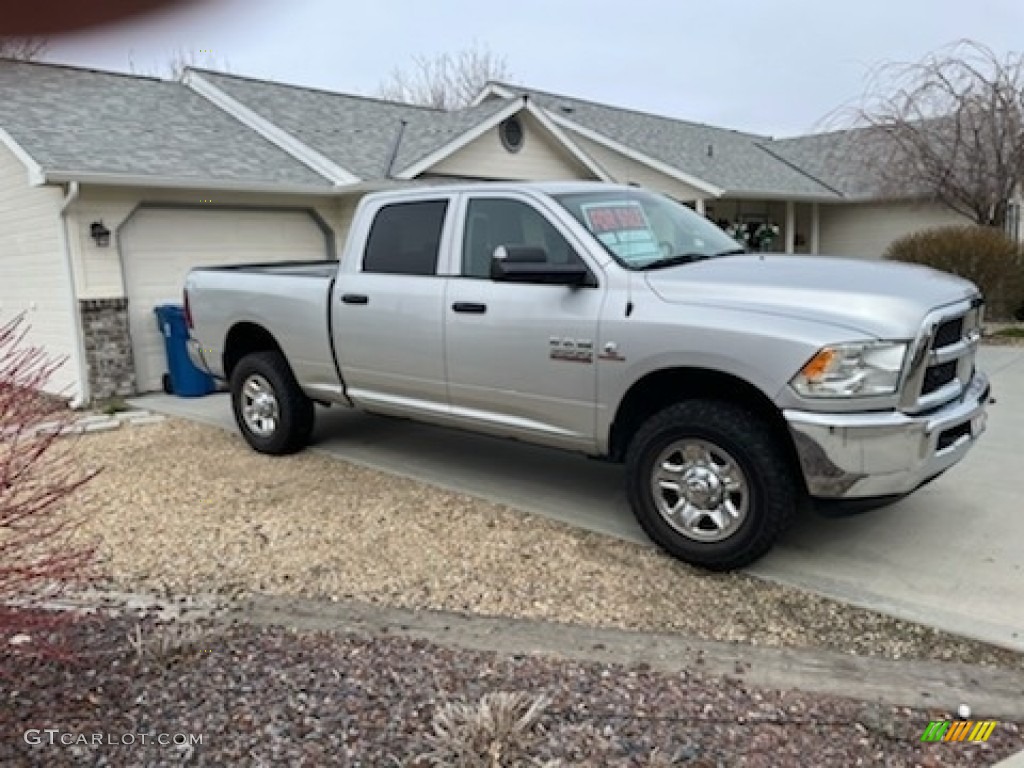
{"points": [[863, 455]]}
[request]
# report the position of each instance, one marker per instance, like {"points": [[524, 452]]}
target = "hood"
{"points": [[884, 299]]}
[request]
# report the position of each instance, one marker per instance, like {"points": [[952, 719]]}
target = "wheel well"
{"points": [[244, 339], [660, 389]]}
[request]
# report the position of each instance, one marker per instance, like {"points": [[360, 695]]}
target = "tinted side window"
{"points": [[405, 238], [494, 222]]}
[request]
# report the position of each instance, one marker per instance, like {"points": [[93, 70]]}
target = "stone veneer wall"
{"points": [[108, 347]]}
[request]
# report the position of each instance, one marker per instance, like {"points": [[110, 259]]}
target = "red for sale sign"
{"points": [[623, 227]]}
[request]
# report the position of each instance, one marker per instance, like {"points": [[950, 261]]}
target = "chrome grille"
{"points": [[948, 333], [938, 376], [942, 361]]}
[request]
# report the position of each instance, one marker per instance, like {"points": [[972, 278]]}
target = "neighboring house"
{"points": [[113, 186]]}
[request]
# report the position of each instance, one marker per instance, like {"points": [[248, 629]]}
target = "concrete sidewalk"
{"points": [[1013, 761], [951, 556]]}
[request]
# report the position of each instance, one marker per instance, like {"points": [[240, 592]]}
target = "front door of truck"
{"points": [[388, 309], [521, 357]]}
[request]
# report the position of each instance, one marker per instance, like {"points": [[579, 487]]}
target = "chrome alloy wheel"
{"points": [[259, 406], [700, 490]]}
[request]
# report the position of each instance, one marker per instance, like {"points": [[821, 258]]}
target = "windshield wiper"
{"points": [[687, 258]]}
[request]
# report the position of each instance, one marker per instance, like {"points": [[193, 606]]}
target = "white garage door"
{"points": [[159, 246]]}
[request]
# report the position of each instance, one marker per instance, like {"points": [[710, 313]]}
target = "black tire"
{"points": [[775, 493], [295, 414], [166, 384]]}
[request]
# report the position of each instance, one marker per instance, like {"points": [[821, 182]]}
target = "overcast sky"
{"points": [[768, 66]]}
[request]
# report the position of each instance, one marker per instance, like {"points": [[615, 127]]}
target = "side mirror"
{"points": [[529, 264]]}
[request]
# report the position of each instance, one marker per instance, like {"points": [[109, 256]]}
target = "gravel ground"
{"points": [[185, 509], [273, 697]]}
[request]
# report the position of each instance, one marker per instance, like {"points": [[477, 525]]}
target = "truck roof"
{"points": [[545, 187]]}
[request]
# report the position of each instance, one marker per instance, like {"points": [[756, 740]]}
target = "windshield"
{"points": [[642, 230]]}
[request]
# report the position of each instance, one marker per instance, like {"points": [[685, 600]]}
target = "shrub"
{"points": [[981, 254], [167, 642], [39, 553], [502, 729]]}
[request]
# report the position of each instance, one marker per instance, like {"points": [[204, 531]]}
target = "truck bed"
{"points": [[290, 299]]}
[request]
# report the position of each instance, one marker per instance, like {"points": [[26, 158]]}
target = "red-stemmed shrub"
{"points": [[40, 554]]}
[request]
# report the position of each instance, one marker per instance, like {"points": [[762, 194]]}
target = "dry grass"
{"points": [[502, 729], [168, 642]]}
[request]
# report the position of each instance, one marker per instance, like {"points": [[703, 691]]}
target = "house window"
{"points": [[512, 134], [405, 238]]}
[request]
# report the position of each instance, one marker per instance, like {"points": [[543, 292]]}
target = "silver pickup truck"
{"points": [[617, 323]]}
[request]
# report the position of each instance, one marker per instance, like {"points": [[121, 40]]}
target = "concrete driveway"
{"points": [[950, 556]]}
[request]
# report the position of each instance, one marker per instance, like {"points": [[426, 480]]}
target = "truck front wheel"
{"points": [[710, 483], [271, 410]]}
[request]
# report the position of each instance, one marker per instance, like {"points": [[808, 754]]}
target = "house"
{"points": [[112, 186]]}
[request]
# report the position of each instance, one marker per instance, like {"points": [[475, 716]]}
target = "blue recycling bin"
{"points": [[183, 378]]}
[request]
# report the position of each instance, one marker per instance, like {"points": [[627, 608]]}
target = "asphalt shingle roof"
{"points": [[736, 163], [844, 160], [78, 120], [356, 132]]}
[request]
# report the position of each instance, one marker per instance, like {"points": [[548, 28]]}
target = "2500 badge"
{"points": [[571, 350]]}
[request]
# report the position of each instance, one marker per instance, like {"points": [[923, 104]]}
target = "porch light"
{"points": [[100, 234]]}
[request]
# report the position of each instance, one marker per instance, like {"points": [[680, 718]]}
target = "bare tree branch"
{"points": [[23, 48], [445, 81], [190, 57], [950, 126], [178, 61]]}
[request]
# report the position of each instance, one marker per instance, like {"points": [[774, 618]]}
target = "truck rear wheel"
{"points": [[710, 484], [271, 410]]}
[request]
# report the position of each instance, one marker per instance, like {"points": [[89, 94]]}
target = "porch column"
{"points": [[699, 205], [790, 226], [815, 229]]}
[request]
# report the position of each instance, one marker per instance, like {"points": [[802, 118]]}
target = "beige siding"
{"points": [[541, 158], [625, 170], [98, 270], [340, 215], [32, 267], [867, 229]]}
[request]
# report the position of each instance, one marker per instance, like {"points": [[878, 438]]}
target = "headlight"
{"points": [[852, 370]]}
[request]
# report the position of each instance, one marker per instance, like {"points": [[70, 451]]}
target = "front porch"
{"points": [[799, 223]]}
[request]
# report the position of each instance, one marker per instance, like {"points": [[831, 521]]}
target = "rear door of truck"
{"points": [[388, 307]]}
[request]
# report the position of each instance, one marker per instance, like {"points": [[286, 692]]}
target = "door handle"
{"points": [[354, 298], [469, 307]]}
